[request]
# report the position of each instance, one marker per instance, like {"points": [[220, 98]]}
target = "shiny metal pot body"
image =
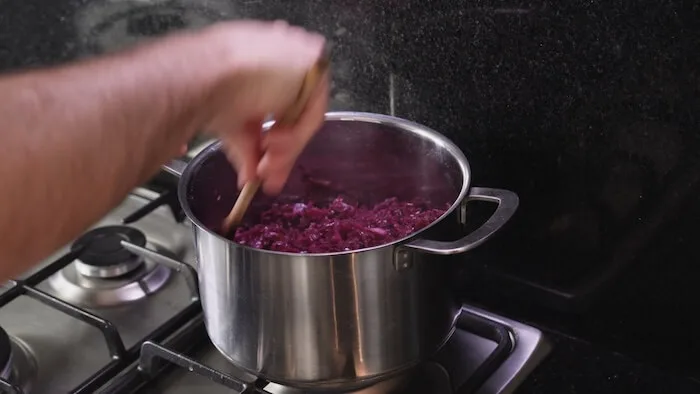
{"points": [[340, 320]]}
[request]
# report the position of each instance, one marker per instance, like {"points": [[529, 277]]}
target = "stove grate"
{"points": [[169, 198], [120, 356]]}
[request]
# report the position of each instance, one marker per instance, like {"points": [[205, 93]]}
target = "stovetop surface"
{"points": [[487, 354], [53, 351]]}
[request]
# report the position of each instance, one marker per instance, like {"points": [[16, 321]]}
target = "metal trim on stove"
{"points": [[531, 348], [498, 333]]}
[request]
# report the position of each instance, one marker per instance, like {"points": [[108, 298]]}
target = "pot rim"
{"points": [[368, 117]]}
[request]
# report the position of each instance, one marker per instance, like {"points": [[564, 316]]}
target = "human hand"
{"points": [[269, 61]]}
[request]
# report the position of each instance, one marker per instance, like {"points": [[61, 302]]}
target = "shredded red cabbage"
{"points": [[337, 227]]}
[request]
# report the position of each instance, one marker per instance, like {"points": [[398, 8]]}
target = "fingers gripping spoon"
{"points": [[311, 80]]}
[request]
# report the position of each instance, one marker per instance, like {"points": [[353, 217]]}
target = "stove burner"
{"points": [[104, 256], [17, 363], [5, 354], [107, 274]]}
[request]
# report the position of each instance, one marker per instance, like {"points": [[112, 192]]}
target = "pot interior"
{"points": [[364, 157]]}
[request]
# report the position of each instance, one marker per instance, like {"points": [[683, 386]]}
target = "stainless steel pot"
{"points": [[338, 320]]}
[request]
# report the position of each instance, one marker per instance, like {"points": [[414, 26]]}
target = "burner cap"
{"points": [[103, 246], [5, 349]]}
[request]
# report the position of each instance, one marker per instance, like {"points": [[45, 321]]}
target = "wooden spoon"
{"points": [[311, 80]]}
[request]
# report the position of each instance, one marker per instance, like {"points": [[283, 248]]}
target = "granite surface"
{"points": [[588, 110], [576, 367]]}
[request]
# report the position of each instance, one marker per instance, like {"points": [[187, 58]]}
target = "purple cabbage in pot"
{"points": [[335, 227]]}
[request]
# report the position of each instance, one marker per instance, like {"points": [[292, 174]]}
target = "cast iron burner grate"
{"points": [[434, 376], [164, 184]]}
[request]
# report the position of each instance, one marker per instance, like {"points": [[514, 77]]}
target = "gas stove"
{"points": [[117, 311]]}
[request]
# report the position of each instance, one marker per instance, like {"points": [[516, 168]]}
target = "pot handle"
{"points": [[507, 202], [175, 167]]}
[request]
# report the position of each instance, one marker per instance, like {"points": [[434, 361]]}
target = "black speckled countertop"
{"points": [[588, 110], [577, 367]]}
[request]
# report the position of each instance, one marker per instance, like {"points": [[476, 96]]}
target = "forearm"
{"points": [[75, 140]]}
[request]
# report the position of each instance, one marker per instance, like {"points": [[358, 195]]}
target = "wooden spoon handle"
{"points": [[311, 80]]}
